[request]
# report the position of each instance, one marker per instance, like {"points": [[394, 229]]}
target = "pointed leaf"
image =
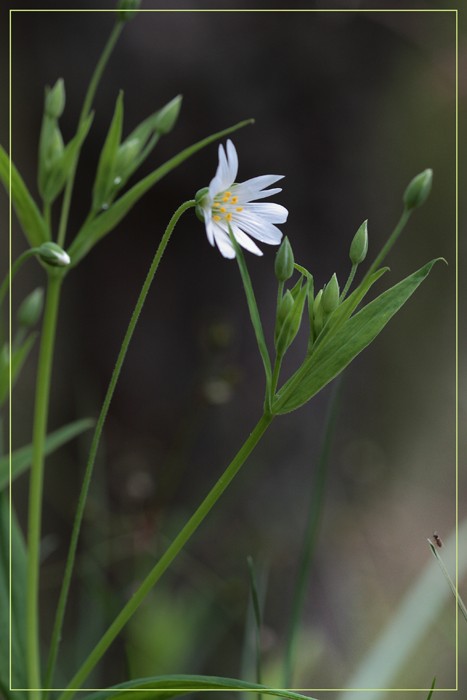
{"points": [[97, 228], [342, 346], [106, 167], [34, 227], [18, 358], [21, 458], [166, 687], [18, 601]]}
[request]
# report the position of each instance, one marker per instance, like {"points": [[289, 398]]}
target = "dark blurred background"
{"points": [[349, 106]]}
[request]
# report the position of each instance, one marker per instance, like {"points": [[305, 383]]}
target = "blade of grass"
{"points": [[451, 583]]}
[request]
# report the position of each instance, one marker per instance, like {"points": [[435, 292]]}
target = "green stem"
{"points": [[88, 100], [255, 317], [60, 614], [44, 372], [390, 242], [167, 558], [348, 283], [275, 375], [310, 536]]}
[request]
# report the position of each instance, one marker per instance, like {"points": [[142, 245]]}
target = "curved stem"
{"points": [[167, 558], [390, 242], [88, 100], [60, 614], [348, 283], [44, 372]]}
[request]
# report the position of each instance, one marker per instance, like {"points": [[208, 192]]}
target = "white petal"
{"points": [[245, 241], [221, 181], [252, 189], [233, 161], [223, 242], [274, 213], [258, 228], [210, 230]]}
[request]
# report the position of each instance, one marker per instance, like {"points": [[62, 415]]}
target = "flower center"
{"points": [[224, 206]]}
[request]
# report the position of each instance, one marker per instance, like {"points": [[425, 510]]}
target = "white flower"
{"points": [[228, 204]]}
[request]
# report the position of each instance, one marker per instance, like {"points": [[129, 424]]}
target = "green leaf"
{"points": [[60, 172], [18, 601], [18, 358], [29, 216], [105, 175], [21, 458], [344, 344], [166, 687], [97, 228]]}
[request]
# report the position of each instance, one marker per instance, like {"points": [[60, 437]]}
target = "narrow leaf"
{"points": [[106, 166], [21, 458], [97, 228], [166, 687], [18, 601], [18, 358], [34, 227], [342, 346]]}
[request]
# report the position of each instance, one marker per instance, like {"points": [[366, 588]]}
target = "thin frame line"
{"points": [[245, 11]]}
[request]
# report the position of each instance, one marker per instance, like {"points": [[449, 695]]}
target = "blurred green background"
{"points": [[349, 106]]}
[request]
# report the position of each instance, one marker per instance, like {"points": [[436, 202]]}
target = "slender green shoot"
{"points": [[88, 100], [452, 586], [430, 694], [348, 284], [258, 618], [311, 534], [255, 317], [390, 242], [60, 614]]}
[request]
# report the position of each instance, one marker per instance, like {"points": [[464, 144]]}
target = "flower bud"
{"points": [[30, 309], [52, 254], [127, 153], [284, 262], [331, 293], [359, 245], [167, 116], [289, 316], [55, 100], [199, 197], [127, 9], [318, 314], [418, 190]]}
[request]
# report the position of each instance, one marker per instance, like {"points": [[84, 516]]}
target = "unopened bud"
{"points": [[52, 254], [331, 295], [284, 262], [418, 190], [55, 100], [318, 314], [30, 309], [167, 116], [127, 9], [359, 245], [126, 155]]}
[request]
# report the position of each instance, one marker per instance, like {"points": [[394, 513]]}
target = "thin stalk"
{"points": [[310, 536], [167, 558], [451, 583], [390, 242], [254, 315], [348, 283], [275, 375], [88, 100], [61, 607], [41, 408]]}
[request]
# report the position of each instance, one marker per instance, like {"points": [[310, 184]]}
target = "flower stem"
{"points": [[390, 242], [44, 372], [88, 100], [348, 283], [60, 614], [167, 558]]}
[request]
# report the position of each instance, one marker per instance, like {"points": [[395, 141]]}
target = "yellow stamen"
{"points": [[216, 217], [234, 200], [228, 217], [227, 194], [223, 210], [225, 199], [239, 209], [216, 204]]}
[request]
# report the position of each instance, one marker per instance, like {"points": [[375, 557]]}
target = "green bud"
{"points": [[289, 318], [283, 309], [55, 100], [418, 190], [30, 309], [127, 9], [53, 255], [359, 245], [166, 117], [318, 314], [199, 197], [331, 294], [55, 147], [127, 153], [284, 262]]}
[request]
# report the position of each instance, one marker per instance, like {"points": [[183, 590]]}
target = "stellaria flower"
{"points": [[227, 204]]}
